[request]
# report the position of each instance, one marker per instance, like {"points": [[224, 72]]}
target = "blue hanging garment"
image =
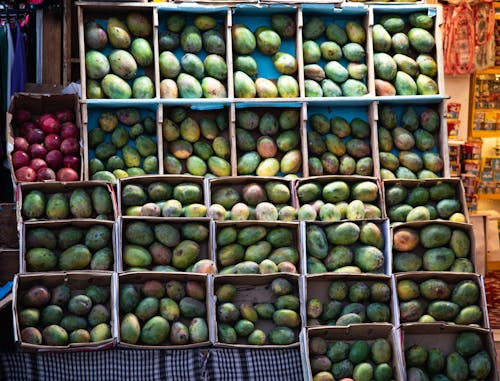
{"points": [[19, 74]]}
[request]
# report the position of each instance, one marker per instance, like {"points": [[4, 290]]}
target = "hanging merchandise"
{"points": [[485, 27], [19, 74]]}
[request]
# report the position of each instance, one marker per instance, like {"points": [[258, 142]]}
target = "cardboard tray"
{"points": [[139, 278], [101, 12], [48, 188], [255, 289], [238, 225], [10, 264], [427, 183], [147, 180], [339, 16], [418, 225], [8, 224], [451, 279], [440, 136], [317, 287], [350, 334], [367, 113], [442, 336], [383, 224], [198, 111], [57, 225], [38, 104], [206, 248], [433, 10], [90, 116], [77, 281]]}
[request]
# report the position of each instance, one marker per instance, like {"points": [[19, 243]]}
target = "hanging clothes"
{"points": [[10, 61], [4, 95], [19, 73]]}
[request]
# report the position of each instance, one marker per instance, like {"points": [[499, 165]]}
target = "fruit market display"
{"points": [[161, 197], [435, 299], [273, 318], [163, 312], [334, 51], [252, 248], [338, 146], [82, 202], [46, 146], [328, 199], [431, 247], [253, 199], [408, 142], [62, 315], [122, 143], [348, 302], [268, 141], [404, 54], [345, 247], [119, 56], [422, 201], [196, 142], [166, 246], [69, 246]]}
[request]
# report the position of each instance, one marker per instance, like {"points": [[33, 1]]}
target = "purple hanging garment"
{"points": [[19, 74]]}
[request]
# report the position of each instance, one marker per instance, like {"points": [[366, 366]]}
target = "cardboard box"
{"points": [[66, 188], [8, 226], [366, 113], [442, 336], [90, 117], [55, 227], [10, 264], [198, 112], [317, 286], [254, 289], [382, 224], [452, 279], [433, 10], [38, 104], [145, 181], [77, 281], [275, 109], [350, 334], [339, 15], [238, 225], [139, 278], [420, 250], [206, 250], [440, 136], [428, 183], [100, 13]]}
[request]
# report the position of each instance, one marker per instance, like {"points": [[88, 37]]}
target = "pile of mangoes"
{"points": [[69, 247], [267, 39], [269, 201], [163, 313], [345, 247], [89, 202], [62, 315], [403, 54], [122, 144], [407, 202], [161, 198], [350, 302], [358, 360], [434, 299], [196, 142], [407, 144], [249, 323], [165, 246], [111, 67], [183, 73], [434, 247], [257, 249], [469, 361], [337, 146], [268, 142], [338, 200], [334, 58]]}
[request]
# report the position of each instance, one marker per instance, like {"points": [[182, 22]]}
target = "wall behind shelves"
{"points": [[457, 87]]}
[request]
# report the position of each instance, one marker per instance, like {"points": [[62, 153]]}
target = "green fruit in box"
{"points": [[76, 257], [213, 42], [98, 314], [406, 64], [281, 336], [421, 20], [355, 32], [331, 51], [287, 318], [357, 71], [468, 343], [105, 150], [185, 254], [96, 64], [400, 43], [405, 84], [57, 207], [432, 163], [247, 267], [130, 329], [95, 35], [139, 233], [284, 25], [336, 34], [392, 23], [213, 88], [175, 22], [190, 307], [138, 24], [169, 65], [336, 72], [410, 160], [456, 367], [381, 39], [34, 205], [469, 315], [155, 331], [443, 310], [417, 374], [198, 330], [421, 40], [480, 365], [244, 86], [143, 88], [314, 72], [189, 87], [102, 259], [69, 236], [311, 52], [191, 41], [354, 52], [226, 334], [465, 293], [55, 335], [285, 63], [265, 88], [96, 137], [268, 41], [313, 28], [116, 88], [215, 66], [426, 85], [244, 41], [246, 64], [438, 259], [123, 64], [80, 204], [427, 65], [288, 87], [142, 52], [353, 88]]}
